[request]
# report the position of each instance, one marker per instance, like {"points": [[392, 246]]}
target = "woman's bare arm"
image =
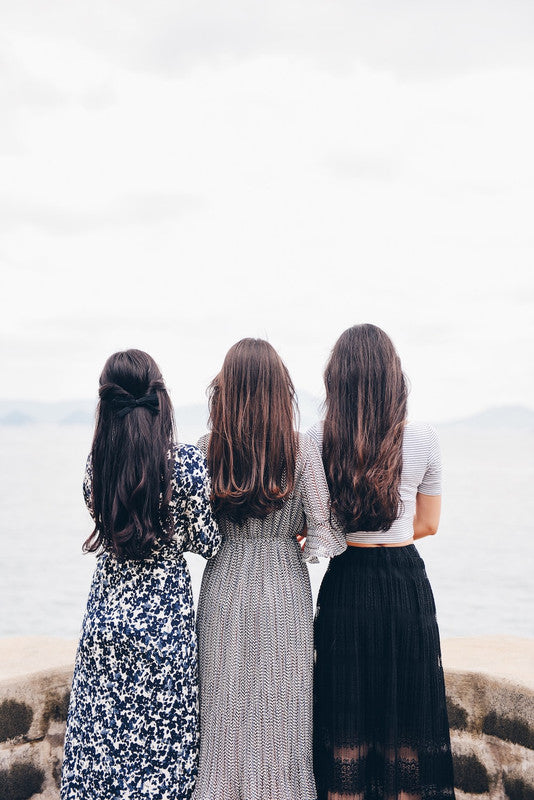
{"points": [[427, 513]]}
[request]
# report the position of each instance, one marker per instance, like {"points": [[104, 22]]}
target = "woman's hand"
{"points": [[301, 537]]}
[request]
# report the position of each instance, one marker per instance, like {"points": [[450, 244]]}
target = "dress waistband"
{"points": [[257, 536]]}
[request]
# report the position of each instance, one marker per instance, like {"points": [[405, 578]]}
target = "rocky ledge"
{"points": [[490, 696]]}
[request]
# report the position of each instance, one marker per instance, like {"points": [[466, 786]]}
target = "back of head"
{"points": [[131, 471], [252, 449], [366, 397]]}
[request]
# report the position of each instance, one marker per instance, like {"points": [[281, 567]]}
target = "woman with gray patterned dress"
{"points": [[255, 615]]}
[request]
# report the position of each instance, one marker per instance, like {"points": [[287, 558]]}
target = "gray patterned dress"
{"points": [[255, 632]]}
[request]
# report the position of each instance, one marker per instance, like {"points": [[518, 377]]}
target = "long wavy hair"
{"points": [[131, 487], [366, 397], [253, 445]]}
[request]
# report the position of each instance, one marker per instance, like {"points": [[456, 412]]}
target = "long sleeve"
{"points": [[88, 486], [324, 538], [200, 530]]}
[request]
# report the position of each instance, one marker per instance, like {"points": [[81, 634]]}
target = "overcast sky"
{"points": [[177, 175]]}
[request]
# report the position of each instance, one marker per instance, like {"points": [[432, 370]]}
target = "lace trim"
{"points": [[372, 772], [397, 771]]}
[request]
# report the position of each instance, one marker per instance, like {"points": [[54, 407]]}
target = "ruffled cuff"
{"points": [[321, 544]]}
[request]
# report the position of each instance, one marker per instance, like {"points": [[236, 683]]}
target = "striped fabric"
{"points": [[421, 472]]}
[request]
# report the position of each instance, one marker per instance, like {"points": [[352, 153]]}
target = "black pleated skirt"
{"points": [[380, 718]]}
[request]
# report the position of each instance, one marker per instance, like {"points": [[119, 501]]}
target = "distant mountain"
{"points": [[78, 417], [192, 420], [16, 418], [502, 417], [47, 412]]}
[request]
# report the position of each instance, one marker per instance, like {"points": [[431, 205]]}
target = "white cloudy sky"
{"points": [[177, 175]]}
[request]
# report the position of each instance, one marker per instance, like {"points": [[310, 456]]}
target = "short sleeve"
{"points": [[324, 537], [431, 483], [200, 530], [88, 485]]}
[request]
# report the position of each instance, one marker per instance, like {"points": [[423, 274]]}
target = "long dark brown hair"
{"points": [[252, 448], [131, 486], [366, 396]]}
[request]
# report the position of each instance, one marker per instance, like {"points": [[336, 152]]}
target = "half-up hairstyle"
{"points": [[253, 445], [131, 470], [366, 396]]}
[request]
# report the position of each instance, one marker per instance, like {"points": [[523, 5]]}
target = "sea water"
{"points": [[480, 565]]}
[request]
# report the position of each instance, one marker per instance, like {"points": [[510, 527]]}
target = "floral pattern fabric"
{"points": [[132, 730]]}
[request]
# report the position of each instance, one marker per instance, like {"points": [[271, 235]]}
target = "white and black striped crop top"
{"points": [[421, 472]]}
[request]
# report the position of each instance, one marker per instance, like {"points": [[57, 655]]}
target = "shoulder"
{"points": [[203, 443], [316, 433], [189, 463], [308, 451], [416, 430], [191, 456], [420, 438]]}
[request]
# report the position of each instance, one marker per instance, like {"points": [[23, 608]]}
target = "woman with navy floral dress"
{"points": [[132, 730]]}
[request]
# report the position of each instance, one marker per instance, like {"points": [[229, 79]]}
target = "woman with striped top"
{"points": [[380, 719]]}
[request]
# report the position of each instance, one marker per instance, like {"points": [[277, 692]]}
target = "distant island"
{"points": [[195, 416], [516, 417], [25, 412], [82, 412]]}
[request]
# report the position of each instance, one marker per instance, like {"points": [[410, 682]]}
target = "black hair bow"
{"points": [[123, 405]]}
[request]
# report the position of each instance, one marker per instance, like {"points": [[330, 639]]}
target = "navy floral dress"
{"points": [[132, 729]]}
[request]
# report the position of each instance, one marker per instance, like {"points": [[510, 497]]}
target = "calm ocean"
{"points": [[481, 563]]}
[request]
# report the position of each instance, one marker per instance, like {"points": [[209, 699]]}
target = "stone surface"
{"points": [[501, 761], [45, 693], [470, 774], [517, 788], [490, 696], [35, 678], [15, 719], [20, 781]]}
